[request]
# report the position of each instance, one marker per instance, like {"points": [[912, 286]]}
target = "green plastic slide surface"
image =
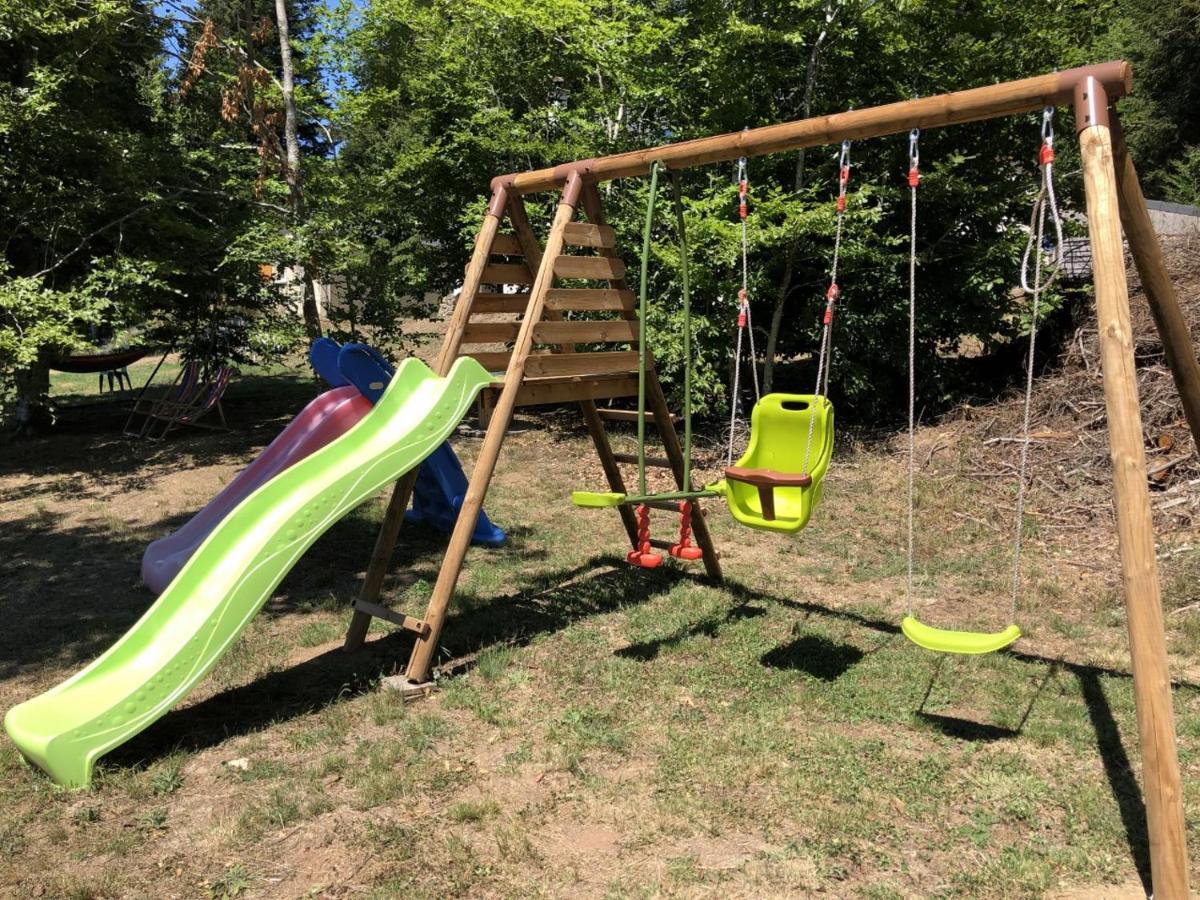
{"points": [[231, 575]]}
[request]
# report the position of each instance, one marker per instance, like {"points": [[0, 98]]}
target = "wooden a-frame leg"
{"points": [[385, 543], [1156, 282], [1135, 529], [421, 660], [393, 518]]}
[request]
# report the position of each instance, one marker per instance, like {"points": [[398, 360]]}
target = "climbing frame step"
{"points": [[590, 300], [585, 234]]}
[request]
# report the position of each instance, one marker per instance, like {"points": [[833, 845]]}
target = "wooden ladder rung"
{"points": [[500, 303], [584, 332], [490, 332], [657, 462], [598, 268], [584, 234], [590, 299], [630, 415], [507, 245], [506, 273], [537, 391], [492, 361], [583, 365]]}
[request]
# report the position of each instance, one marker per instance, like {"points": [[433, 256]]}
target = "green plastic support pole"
{"points": [[687, 333], [642, 304]]}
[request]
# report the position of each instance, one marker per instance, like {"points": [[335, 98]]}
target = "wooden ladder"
{"points": [[551, 331]]}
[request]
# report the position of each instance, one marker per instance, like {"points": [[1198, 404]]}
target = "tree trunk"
{"points": [[294, 173], [789, 265], [31, 412]]}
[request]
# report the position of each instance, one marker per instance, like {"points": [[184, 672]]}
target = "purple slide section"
{"points": [[327, 417]]}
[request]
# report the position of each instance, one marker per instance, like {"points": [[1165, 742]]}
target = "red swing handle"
{"points": [[766, 480]]}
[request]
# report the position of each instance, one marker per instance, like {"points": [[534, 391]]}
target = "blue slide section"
{"points": [[323, 355], [441, 483]]}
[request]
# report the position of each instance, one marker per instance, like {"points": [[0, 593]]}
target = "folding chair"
{"points": [[186, 401]]}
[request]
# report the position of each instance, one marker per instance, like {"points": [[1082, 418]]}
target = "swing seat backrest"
{"points": [[775, 457]]}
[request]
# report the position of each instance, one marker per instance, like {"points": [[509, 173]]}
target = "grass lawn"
{"points": [[600, 731]]}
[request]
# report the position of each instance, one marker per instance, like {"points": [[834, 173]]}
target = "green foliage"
{"points": [[439, 97], [141, 195]]}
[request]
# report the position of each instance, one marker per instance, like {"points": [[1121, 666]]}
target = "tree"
{"points": [[448, 94]]}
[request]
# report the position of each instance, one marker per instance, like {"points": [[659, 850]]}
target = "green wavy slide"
{"points": [[231, 575]]}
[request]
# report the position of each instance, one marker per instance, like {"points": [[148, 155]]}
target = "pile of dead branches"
{"points": [[1069, 440]]}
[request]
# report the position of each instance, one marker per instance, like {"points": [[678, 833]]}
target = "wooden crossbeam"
{"points": [[585, 332], [656, 462], [583, 364], [585, 234], [590, 300], [493, 361], [543, 391], [500, 303], [597, 268], [506, 273], [631, 415], [507, 245], [490, 332]]}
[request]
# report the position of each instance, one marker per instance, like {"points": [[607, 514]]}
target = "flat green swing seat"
{"points": [[944, 640], [769, 487]]}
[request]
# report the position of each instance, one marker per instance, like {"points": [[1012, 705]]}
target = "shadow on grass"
{"points": [[816, 656], [1119, 772], [965, 729], [648, 650], [548, 604]]}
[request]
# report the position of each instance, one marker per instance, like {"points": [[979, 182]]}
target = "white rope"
{"points": [[825, 355], [1045, 201], [913, 160], [745, 322]]}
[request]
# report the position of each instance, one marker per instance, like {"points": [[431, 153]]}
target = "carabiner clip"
{"points": [[1048, 125], [914, 155]]}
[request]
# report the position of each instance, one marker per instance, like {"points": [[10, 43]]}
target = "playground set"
{"points": [[377, 427]]}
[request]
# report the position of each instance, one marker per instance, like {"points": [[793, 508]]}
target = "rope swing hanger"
{"points": [[745, 324], [1045, 203]]}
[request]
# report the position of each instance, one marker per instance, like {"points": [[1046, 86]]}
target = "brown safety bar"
{"points": [[766, 480], [988, 102]]}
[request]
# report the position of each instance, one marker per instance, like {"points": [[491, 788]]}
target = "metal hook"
{"points": [[1048, 125], [913, 154], [845, 155]]}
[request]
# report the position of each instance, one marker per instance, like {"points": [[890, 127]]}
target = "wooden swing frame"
{"points": [[1114, 199]]}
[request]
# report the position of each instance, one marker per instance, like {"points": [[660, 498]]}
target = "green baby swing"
{"points": [[777, 482]]}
